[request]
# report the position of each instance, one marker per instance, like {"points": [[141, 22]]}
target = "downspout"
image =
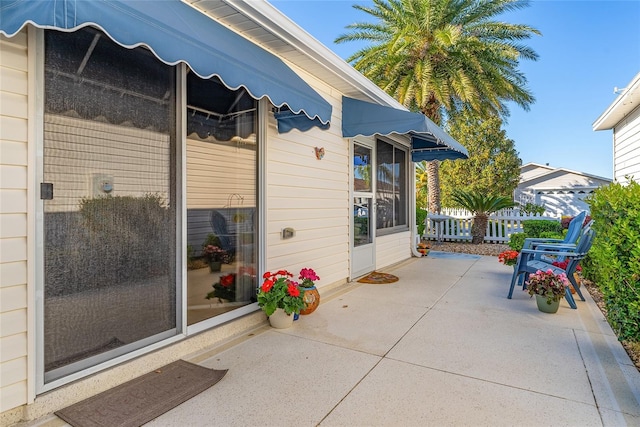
{"points": [[412, 216]]}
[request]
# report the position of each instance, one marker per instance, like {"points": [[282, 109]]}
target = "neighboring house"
{"points": [[561, 191], [132, 131], [623, 116]]}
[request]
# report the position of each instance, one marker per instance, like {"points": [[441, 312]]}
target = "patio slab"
{"points": [[443, 346], [401, 394]]}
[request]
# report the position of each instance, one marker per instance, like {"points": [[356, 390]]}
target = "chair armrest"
{"points": [[530, 242], [536, 252], [566, 247]]}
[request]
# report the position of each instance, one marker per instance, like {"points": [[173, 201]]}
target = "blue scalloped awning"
{"points": [[176, 32], [428, 141]]}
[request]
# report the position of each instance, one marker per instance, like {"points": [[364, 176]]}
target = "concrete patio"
{"points": [[442, 346]]}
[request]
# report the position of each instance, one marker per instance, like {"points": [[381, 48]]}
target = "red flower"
{"points": [[293, 290], [227, 280], [267, 285], [266, 275], [564, 264], [283, 273]]}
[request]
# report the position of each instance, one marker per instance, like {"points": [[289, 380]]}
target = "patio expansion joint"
{"points": [[444, 371]]}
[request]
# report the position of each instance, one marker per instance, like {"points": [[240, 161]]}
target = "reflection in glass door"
{"points": [[362, 260], [221, 200]]}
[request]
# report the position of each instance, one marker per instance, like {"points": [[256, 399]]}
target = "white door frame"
{"points": [[363, 256]]}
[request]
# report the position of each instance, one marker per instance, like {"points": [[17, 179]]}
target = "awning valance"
{"points": [[176, 32], [428, 141]]}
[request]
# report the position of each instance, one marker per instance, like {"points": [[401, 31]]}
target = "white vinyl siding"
{"points": [[311, 196], [392, 248], [626, 150], [13, 220]]}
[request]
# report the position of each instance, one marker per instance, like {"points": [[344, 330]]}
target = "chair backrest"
{"points": [[219, 227], [575, 226], [581, 250]]}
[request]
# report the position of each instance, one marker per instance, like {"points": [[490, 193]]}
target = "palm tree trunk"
{"points": [[433, 185], [479, 228]]}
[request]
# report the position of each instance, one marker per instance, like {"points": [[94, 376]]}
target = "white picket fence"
{"points": [[455, 225]]}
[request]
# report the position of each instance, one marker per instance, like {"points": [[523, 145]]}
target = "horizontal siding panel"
{"points": [[13, 129], [18, 39], [13, 347], [288, 215], [13, 177], [14, 249], [274, 226], [13, 153], [331, 267], [334, 182], [13, 225], [13, 322], [308, 203], [13, 81], [13, 396], [13, 371], [13, 298], [13, 53], [13, 105], [392, 249], [322, 195], [13, 201], [12, 274]]}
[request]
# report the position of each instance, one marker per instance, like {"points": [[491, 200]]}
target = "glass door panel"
{"points": [[221, 200], [362, 232], [109, 214]]}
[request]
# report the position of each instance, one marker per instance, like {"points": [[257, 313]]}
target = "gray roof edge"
{"points": [[619, 108]]}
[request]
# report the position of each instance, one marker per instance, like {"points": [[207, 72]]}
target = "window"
{"points": [[391, 187]]}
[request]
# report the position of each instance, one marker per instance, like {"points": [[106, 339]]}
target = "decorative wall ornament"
{"points": [[319, 153]]}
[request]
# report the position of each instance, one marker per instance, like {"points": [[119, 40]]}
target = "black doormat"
{"points": [[144, 398]]}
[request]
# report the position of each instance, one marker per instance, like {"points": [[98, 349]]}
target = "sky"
{"points": [[587, 48]]}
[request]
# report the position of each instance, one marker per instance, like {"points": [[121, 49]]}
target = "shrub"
{"points": [[613, 260], [516, 241], [551, 235], [421, 215], [535, 227], [532, 208]]}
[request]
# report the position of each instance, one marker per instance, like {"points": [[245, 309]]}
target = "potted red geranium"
{"points": [[280, 298]]}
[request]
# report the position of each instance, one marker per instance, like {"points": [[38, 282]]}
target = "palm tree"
{"points": [[481, 206], [438, 56]]}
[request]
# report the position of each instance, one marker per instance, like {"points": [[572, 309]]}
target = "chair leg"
{"points": [[569, 298], [514, 279], [575, 286]]}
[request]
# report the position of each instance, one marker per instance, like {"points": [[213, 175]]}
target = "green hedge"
{"points": [[421, 215], [535, 227], [614, 260]]}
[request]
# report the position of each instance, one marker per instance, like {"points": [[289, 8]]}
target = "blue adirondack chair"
{"points": [[219, 227], [527, 263], [573, 232]]}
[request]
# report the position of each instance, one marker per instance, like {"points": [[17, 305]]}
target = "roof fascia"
{"points": [[568, 171], [620, 107]]}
